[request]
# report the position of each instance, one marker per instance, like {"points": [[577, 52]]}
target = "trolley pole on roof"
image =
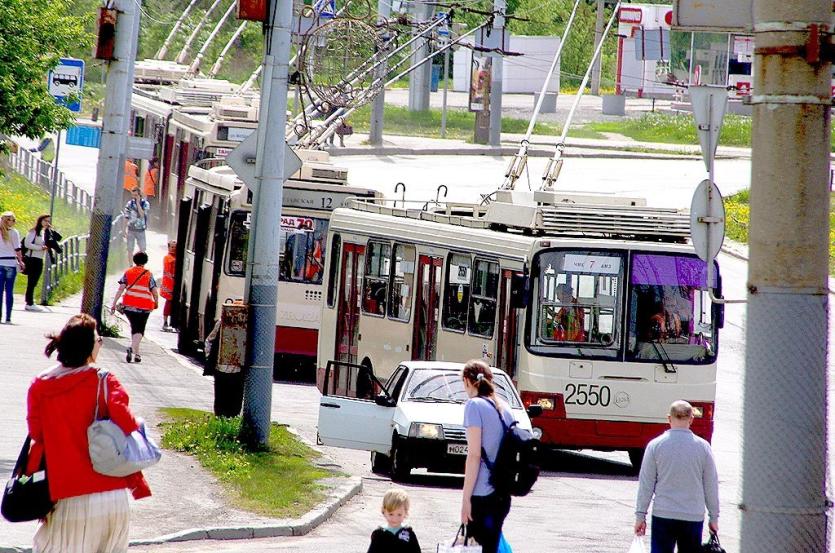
{"points": [[784, 504], [262, 258], [111, 164], [375, 132]]}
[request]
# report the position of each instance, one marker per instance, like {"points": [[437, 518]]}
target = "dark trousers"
{"points": [[667, 532], [488, 512], [34, 269]]}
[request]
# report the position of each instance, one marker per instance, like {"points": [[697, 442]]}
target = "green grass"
{"points": [[460, 123], [29, 201], [737, 214], [279, 482]]}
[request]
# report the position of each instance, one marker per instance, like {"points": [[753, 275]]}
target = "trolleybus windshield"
{"points": [[301, 247], [670, 316]]}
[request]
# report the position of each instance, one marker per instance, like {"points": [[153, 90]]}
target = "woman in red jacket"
{"points": [[91, 511]]}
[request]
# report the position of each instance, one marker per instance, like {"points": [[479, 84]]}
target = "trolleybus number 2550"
{"points": [[588, 394]]}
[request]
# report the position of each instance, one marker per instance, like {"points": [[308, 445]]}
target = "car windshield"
{"points": [[446, 386]]}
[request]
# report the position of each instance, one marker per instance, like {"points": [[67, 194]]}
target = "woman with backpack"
{"points": [[483, 508]]}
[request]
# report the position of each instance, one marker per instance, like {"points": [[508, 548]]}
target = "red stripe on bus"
{"points": [[296, 341], [586, 433]]}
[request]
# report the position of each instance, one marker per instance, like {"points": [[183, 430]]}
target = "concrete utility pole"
{"points": [[110, 168], [420, 79], [599, 23], [375, 132], [496, 40], [784, 504], [262, 266]]}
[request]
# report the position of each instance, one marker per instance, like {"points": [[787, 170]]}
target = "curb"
{"points": [[292, 527]]}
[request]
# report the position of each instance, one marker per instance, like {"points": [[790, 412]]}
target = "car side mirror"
{"points": [[534, 410], [384, 400]]}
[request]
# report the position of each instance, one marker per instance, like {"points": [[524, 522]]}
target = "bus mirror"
{"points": [[719, 314], [518, 291]]}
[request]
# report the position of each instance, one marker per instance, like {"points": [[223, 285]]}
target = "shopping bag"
{"points": [[456, 547], [26, 497], [712, 545], [637, 545], [504, 547]]}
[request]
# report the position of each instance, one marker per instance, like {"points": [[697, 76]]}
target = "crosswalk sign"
{"points": [[326, 9]]}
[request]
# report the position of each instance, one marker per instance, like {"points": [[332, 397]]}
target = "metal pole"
{"points": [[446, 86], [47, 273], [497, 41], [599, 23], [195, 65], [419, 80], [111, 155], [164, 49], [262, 268], [375, 132], [784, 458], [216, 67]]}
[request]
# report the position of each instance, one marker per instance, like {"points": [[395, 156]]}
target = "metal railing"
{"points": [[57, 266], [39, 172]]}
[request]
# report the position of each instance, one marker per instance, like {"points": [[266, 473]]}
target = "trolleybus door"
{"points": [[506, 340], [347, 332], [425, 334]]}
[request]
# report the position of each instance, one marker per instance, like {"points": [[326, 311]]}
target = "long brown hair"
{"points": [[38, 228], [75, 342], [478, 373]]}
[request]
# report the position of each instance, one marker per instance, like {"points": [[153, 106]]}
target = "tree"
{"points": [[34, 34]]}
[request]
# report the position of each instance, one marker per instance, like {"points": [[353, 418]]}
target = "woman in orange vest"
{"points": [[167, 288], [140, 298]]}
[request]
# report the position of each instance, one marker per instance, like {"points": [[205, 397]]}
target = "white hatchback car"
{"points": [[415, 421]]}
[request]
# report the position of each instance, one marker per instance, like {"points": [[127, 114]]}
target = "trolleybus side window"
{"points": [[402, 280], [333, 276], [302, 249], [191, 239], [577, 299], [669, 310], [485, 289], [375, 286], [210, 235], [238, 243], [457, 293]]}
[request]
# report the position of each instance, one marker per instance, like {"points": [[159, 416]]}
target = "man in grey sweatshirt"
{"points": [[679, 470]]}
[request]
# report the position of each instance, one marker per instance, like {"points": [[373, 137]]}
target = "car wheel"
{"points": [[636, 457], [400, 468], [380, 464]]}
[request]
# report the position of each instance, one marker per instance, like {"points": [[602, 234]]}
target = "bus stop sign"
{"points": [[65, 81]]}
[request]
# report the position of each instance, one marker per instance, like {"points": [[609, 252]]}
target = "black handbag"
{"points": [[26, 497], [712, 545]]}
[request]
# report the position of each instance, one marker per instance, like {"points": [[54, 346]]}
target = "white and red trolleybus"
{"points": [[601, 313], [213, 234]]}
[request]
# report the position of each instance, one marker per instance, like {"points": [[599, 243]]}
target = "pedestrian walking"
{"points": [[678, 475], [395, 536], [483, 509], [136, 213], [169, 262], [11, 260], [91, 512], [36, 245], [141, 296]]}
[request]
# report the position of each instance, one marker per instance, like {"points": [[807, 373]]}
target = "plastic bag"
{"points": [[457, 547], [637, 545], [504, 547]]}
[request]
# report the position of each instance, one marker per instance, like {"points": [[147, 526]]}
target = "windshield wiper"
{"points": [[661, 351], [432, 400]]}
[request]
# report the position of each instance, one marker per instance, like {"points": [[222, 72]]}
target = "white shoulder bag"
{"points": [[112, 452]]}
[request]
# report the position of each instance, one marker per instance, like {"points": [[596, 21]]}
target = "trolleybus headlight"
{"points": [[537, 433], [546, 403], [426, 430], [698, 412]]}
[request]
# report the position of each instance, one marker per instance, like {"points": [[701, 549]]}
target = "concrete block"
{"points": [[614, 104], [549, 104]]}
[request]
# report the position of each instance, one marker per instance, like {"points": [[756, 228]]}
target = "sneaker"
{"points": [[129, 355], [137, 358], [34, 308]]}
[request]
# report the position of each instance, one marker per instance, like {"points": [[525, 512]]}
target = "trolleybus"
{"points": [[600, 313], [213, 234]]}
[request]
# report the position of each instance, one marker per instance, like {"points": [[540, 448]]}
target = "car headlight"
{"points": [[426, 430]]}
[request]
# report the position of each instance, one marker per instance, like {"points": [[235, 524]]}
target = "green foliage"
{"points": [[34, 34], [676, 129], [280, 481], [29, 202]]}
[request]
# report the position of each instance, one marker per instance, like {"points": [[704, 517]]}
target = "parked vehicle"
{"points": [[414, 420]]}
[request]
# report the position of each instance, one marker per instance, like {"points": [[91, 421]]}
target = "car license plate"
{"points": [[456, 449]]}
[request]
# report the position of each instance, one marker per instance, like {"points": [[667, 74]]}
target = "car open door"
{"points": [[346, 420]]}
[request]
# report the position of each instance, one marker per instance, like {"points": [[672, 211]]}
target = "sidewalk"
{"points": [[187, 502]]}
